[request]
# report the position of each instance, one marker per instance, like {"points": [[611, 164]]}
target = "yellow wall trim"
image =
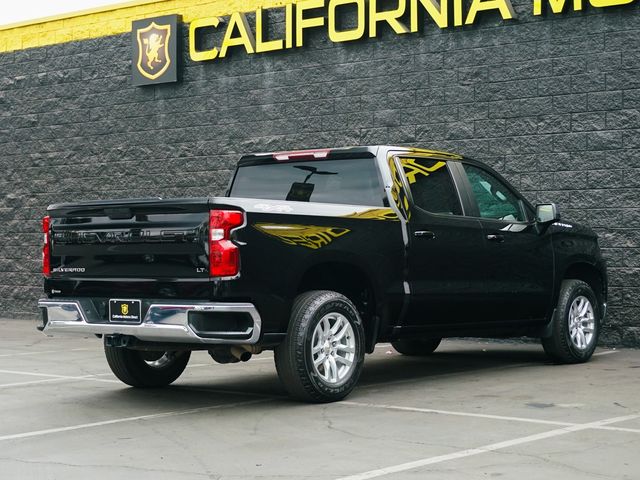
{"points": [[116, 19], [77, 13]]}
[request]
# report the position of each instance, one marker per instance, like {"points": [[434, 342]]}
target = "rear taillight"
{"points": [[224, 255], [46, 249]]}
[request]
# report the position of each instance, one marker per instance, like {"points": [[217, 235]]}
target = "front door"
{"points": [[520, 256]]}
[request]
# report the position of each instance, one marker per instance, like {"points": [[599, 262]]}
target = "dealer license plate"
{"points": [[124, 311]]}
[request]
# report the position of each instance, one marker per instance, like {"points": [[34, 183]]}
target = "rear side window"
{"points": [[351, 182], [431, 185]]}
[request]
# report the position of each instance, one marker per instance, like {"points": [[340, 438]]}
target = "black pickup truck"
{"points": [[318, 255]]}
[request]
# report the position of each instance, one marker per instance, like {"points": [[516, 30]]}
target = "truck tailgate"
{"points": [[126, 239]]}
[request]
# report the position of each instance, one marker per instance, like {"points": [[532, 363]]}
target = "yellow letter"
{"points": [[437, 12], [288, 25], [346, 35], [608, 3], [505, 7], [201, 55], [302, 23], [557, 6], [389, 16], [246, 35], [261, 45], [457, 13]]}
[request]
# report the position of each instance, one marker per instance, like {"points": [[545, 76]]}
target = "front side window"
{"points": [[349, 181], [431, 185], [495, 200]]}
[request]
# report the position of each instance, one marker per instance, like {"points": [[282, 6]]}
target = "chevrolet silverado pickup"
{"points": [[318, 255]]}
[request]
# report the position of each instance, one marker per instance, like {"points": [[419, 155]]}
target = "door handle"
{"points": [[495, 237], [424, 234]]}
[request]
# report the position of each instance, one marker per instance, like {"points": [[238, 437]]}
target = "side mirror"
{"points": [[547, 213]]}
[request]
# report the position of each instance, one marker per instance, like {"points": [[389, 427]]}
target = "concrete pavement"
{"points": [[473, 410]]}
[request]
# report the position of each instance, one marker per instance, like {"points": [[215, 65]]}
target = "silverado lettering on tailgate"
{"points": [[89, 237]]}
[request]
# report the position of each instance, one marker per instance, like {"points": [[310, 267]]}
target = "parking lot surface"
{"points": [[472, 410]]}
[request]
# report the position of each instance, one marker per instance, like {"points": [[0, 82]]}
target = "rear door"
{"points": [[446, 258], [519, 267]]}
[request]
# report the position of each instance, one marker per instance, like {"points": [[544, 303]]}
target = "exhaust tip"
{"points": [[241, 354]]}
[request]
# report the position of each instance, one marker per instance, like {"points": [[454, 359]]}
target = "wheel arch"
{"points": [[590, 274], [354, 282]]}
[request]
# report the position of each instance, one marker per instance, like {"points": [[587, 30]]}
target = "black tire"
{"points": [[559, 346], [136, 368], [294, 356], [416, 348]]}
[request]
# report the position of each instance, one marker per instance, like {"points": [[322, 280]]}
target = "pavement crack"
{"points": [[330, 426]]}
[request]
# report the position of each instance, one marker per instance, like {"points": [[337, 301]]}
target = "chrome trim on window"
{"points": [[163, 322]]}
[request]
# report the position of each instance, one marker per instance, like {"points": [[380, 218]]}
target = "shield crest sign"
{"points": [[154, 56]]}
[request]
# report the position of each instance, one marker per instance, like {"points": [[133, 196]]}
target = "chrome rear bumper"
{"points": [[163, 322]]}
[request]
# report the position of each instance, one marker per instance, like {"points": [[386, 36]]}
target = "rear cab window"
{"points": [[354, 181]]}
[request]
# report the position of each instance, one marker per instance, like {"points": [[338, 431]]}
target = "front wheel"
{"points": [[146, 369], [575, 326], [321, 358]]}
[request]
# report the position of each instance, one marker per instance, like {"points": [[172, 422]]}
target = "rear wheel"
{"points": [[146, 369], [321, 358], [416, 347], [575, 325]]}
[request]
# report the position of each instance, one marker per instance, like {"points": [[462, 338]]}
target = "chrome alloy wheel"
{"points": [[158, 359], [333, 348], [582, 322]]}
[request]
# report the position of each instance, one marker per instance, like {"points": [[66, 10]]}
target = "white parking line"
{"points": [[52, 378], [605, 352], [38, 433], [459, 414], [58, 377], [34, 374], [479, 415], [42, 352], [619, 429], [37, 382], [485, 448]]}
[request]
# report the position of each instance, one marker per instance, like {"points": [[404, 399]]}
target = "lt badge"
{"points": [[154, 50]]}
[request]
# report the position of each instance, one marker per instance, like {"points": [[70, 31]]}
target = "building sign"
{"points": [[154, 57], [409, 16], [155, 39]]}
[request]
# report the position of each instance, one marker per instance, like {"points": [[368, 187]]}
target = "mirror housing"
{"points": [[547, 213]]}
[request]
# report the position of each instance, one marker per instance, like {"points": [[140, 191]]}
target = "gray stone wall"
{"points": [[552, 102]]}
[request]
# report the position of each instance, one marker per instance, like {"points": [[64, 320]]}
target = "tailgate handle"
{"points": [[118, 213]]}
